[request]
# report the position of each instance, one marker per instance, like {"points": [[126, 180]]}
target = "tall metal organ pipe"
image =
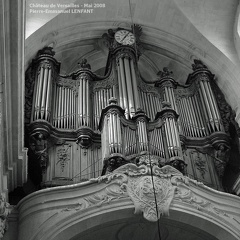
{"points": [[128, 89], [83, 100]]}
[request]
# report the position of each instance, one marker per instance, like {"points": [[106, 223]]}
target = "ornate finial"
{"points": [[112, 101], [164, 73], [166, 104], [84, 64], [46, 50], [198, 64]]}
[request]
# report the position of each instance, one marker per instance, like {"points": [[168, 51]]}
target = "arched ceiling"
{"points": [[174, 33]]}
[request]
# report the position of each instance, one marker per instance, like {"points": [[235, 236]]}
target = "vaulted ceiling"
{"points": [[174, 33]]}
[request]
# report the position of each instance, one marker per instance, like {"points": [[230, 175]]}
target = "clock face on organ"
{"points": [[124, 37]]}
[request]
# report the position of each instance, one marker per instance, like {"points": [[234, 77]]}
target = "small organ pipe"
{"points": [[209, 98], [64, 108], [167, 129], [165, 145], [119, 134], [101, 101], [152, 107], [123, 82], [57, 106], [135, 88], [189, 116], [48, 94], [161, 142], [214, 116], [54, 105], [110, 132], [60, 106], [44, 92], [84, 102], [114, 91], [34, 100], [190, 113], [183, 118], [114, 125], [214, 101], [75, 109], [141, 99], [87, 103], [98, 108], [129, 85], [79, 104], [206, 104], [197, 117], [120, 91], [68, 109], [173, 137], [39, 92], [37, 95], [186, 115], [203, 107]]}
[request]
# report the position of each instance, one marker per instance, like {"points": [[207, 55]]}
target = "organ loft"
{"points": [[82, 125]]}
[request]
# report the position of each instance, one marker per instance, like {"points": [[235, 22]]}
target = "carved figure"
{"points": [[222, 153], [84, 64], [198, 64], [39, 147], [108, 37], [164, 73], [221, 159], [180, 165]]}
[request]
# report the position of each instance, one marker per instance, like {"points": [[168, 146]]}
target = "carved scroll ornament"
{"points": [[139, 186]]}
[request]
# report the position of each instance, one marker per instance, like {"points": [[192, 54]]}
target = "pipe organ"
{"points": [[92, 124]]}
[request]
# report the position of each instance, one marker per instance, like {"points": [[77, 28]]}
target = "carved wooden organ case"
{"points": [[83, 125]]}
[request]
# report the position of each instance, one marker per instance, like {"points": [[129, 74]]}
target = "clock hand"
{"points": [[125, 36]]}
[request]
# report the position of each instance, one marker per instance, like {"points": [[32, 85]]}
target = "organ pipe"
{"points": [[135, 88], [129, 87]]}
